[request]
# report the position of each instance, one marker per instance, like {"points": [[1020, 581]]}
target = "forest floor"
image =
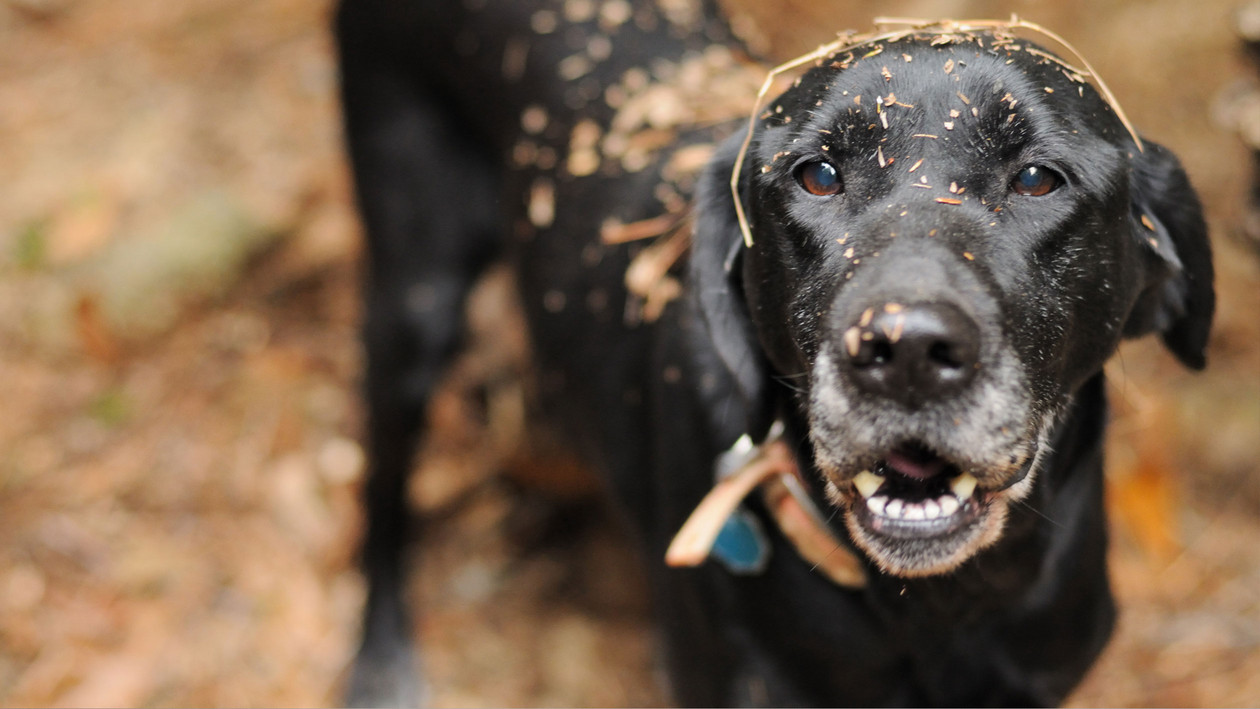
{"points": [[179, 456]]}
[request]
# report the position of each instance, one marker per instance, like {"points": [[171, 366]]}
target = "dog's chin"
{"points": [[914, 548], [917, 519]]}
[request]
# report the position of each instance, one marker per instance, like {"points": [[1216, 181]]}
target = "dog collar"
{"points": [[721, 528]]}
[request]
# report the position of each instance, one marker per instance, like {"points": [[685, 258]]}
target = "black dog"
{"points": [[948, 233]]}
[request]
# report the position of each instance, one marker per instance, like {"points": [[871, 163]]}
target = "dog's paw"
{"points": [[386, 673]]}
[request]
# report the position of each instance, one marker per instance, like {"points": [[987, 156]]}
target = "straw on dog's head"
{"points": [[944, 32]]}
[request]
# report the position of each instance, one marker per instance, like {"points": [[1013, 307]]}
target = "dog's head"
{"points": [[949, 238]]}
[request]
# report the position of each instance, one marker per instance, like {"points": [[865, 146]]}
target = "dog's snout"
{"points": [[912, 354]]}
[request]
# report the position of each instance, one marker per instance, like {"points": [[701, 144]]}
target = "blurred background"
{"points": [[179, 465]]}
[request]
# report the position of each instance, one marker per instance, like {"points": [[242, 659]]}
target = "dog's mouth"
{"points": [[917, 513], [916, 493]]}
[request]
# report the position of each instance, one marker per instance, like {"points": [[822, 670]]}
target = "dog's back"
{"points": [[561, 136]]}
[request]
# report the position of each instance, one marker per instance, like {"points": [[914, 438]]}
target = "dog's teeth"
{"points": [[931, 510], [943, 506], [867, 483], [963, 485], [877, 504], [894, 508]]}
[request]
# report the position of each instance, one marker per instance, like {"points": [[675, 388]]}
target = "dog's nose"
{"points": [[912, 354]]}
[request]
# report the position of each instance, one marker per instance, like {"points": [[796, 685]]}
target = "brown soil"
{"points": [[179, 467]]}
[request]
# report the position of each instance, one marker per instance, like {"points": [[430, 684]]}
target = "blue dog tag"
{"points": [[742, 546]]}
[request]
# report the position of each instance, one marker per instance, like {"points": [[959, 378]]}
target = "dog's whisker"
{"points": [[795, 388], [1028, 506]]}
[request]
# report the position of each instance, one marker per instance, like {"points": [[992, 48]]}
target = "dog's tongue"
{"points": [[915, 465]]}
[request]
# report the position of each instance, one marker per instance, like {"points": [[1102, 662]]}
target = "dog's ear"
{"points": [[1178, 298], [726, 340]]}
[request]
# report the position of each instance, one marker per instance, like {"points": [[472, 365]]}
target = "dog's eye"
{"points": [[1036, 181], [820, 178]]}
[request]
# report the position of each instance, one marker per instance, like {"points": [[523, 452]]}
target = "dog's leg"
{"points": [[427, 197]]}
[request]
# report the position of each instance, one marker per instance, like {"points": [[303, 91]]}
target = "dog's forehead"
{"points": [[926, 63], [967, 110], [945, 84]]}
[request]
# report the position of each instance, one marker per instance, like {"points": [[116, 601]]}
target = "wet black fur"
{"points": [[431, 121]]}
